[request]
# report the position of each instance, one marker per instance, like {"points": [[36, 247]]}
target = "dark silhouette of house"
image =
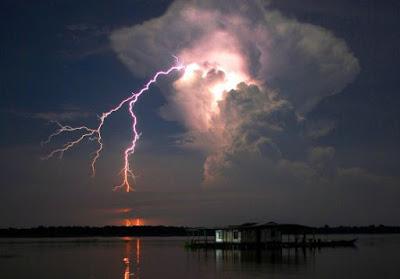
{"points": [[253, 233]]}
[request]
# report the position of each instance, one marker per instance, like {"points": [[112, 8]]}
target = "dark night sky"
{"points": [[57, 62]]}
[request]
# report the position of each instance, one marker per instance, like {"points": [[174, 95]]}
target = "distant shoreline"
{"points": [[162, 231], [85, 231]]}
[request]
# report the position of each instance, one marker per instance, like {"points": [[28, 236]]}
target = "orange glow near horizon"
{"points": [[129, 222]]}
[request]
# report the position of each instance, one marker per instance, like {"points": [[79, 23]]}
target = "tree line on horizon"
{"points": [[110, 231]]}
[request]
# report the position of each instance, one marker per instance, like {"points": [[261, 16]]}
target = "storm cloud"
{"points": [[284, 68]]}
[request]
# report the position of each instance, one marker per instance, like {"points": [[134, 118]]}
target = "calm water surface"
{"points": [[376, 256]]}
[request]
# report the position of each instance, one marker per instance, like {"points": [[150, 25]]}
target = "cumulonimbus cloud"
{"points": [[252, 75]]}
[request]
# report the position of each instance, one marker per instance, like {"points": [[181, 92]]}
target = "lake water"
{"points": [[376, 256]]}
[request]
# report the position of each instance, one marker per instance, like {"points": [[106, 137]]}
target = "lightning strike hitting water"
{"points": [[95, 134]]}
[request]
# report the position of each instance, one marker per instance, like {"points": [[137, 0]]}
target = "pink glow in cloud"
{"points": [[223, 46]]}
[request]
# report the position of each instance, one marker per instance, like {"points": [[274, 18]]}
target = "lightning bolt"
{"points": [[95, 134]]}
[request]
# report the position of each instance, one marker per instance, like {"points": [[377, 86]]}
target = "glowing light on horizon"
{"points": [[133, 222], [95, 134]]}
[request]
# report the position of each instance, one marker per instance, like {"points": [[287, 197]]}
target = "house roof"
{"points": [[283, 228]]}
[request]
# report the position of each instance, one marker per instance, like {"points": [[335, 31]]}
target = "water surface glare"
{"points": [[376, 256]]}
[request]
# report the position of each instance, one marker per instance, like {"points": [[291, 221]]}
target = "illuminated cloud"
{"points": [[252, 75]]}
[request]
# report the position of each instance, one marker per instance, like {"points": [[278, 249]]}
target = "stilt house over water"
{"points": [[262, 236], [252, 233]]}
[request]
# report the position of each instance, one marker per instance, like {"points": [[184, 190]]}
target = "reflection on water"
{"points": [[133, 272], [275, 257], [142, 258], [263, 261], [127, 272]]}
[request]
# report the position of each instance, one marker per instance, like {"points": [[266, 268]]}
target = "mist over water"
{"points": [[376, 256]]}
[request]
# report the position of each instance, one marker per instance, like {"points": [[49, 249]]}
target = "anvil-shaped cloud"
{"points": [[252, 75]]}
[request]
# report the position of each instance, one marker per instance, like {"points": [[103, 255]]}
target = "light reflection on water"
{"points": [[128, 261], [255, 262], [142, 258]]}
